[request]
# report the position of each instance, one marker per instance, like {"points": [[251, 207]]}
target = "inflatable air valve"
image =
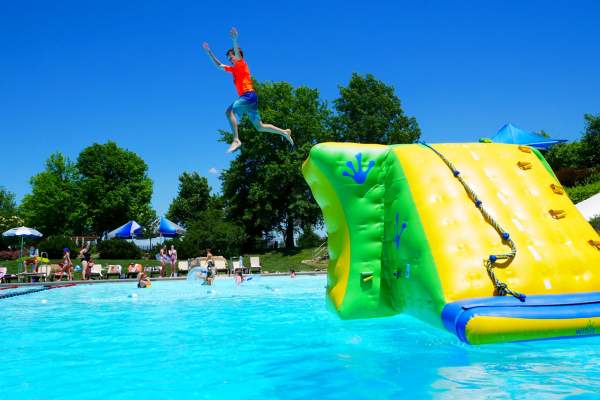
{"points": [[366, 276]]}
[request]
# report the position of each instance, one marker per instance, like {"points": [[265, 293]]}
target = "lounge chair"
{"points": [[44, 271], [183, 267], [56, 273], [97, 271], [113, 270], [5, 277], [220, 264], [255, 265], [152, 271], [238, 265], [134, 270]]}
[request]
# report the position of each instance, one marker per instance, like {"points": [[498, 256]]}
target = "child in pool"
{"points": [[239, 278], [143, 280]]}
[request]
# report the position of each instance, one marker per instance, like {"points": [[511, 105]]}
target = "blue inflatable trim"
{"points": [[456, 315]]}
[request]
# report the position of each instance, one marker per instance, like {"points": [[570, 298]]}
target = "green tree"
{"points": [[9, 217], [590, 142], [8, 206], [115, 186], [54, 205], [368, 111], [264, 190], [564, 155], [211, 231], [193, 197]]}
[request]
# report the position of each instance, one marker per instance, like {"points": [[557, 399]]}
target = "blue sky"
{"points": [[77, 72]]}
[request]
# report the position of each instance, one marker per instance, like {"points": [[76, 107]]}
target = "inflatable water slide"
{"points": [[479, 239]]}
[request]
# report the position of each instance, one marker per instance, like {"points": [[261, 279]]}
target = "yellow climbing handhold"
{"points": [[558, 214], [557, 189], [524, 164], [525, 149], [595, 243]]}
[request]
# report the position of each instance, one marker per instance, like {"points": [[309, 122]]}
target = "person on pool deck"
{"points": [[143, 280], [173, 260], [85, 256], [66, 265], [247, 103], [34, 254], [162, 256]]}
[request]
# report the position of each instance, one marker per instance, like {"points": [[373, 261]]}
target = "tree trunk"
{"points": [[289, 233]]}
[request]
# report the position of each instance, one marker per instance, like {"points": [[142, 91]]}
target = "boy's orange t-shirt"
{"points": [[241, 77]]}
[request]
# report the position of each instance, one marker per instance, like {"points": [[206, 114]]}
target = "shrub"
{"points": [[118, 250], [54, 245], [9, 255], [580, 193], [595, 222]]}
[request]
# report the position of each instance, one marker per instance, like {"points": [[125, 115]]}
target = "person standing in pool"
{"points": [[239, 278], [247, 103]]}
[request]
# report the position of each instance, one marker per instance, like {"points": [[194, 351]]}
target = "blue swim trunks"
{"points": [[246, 104]]}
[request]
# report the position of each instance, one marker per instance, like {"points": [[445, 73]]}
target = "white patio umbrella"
{"points": [[22, 232]]}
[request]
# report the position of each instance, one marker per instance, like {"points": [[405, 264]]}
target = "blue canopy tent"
{"points": [[168, 228], [514, 135], [128, 231]]}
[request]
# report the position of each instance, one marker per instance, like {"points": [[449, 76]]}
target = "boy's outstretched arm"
{"points": [[212, 56], [234, 35]]}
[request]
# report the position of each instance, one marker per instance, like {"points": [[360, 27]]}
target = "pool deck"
{"points": [[169, 279]]}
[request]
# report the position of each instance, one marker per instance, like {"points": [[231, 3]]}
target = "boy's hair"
{"points": [[233, 51]]}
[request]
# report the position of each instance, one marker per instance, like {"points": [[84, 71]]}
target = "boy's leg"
{"points": [[262, 127], [233, 122]]}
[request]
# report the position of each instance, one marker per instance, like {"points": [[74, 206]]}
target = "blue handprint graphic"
{"points": [[398, 234], [359, 175]]}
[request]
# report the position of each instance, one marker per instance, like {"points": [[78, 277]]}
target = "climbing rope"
{"points": [[502, 288]]}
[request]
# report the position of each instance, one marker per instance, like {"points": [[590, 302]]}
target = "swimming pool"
{"points": [[272, 338]]}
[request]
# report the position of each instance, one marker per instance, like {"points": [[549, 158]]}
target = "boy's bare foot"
{"points": [[288, 136], [234, 145]]}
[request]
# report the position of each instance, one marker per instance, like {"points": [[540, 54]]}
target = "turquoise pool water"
{"points": [[273, 338]]}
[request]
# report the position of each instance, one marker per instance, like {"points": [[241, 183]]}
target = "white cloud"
{"points": [[213, 171]]}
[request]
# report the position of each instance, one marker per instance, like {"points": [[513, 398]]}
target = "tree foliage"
{"points": [[264, 189], [8, 206], [192, 199], [54, 205], [54, 245], [9, 217], [211, 231], [590, 142], [114, 186], [118, 249], [368, 111], [577, 164]]}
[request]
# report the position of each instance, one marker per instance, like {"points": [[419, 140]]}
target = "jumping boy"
{"points": [[247, 103]]}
